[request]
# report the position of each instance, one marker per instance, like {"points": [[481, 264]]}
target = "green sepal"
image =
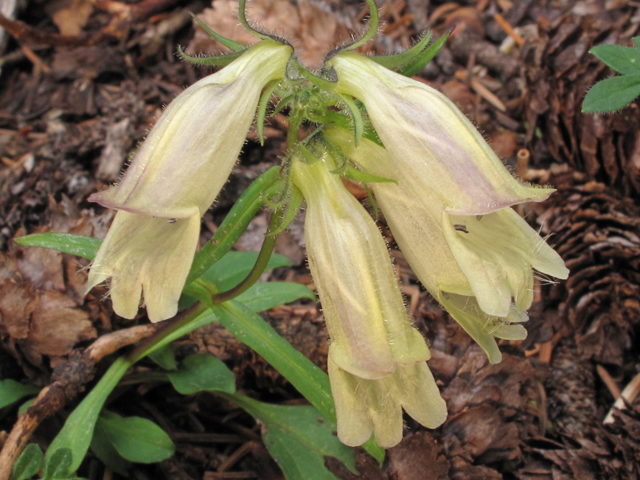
{"points": [[217, 61], [295, 202], [371, 32], [262, 108], [323, 84], [364, 177], [242, 14], [398, 60], [227, 42], [281, 104], [309, 157], [376, 212], [357, 118], [417, 64]]}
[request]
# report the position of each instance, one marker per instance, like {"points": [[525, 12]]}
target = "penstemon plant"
{"points": [[446, 197]]}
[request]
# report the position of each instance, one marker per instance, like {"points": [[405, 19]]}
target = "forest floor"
{"points": [[81, 81]]}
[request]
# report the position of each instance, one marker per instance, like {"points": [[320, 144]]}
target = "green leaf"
{"points": [[12, 391], [202, 372], [235, 266], [612, 94], [636, 42], [625, 60], [29, 463], [23, 408], [303, 374], [77, 431], [164, 357], [85, 247], [136, 439], [266, 295], [298, 438], [234, 224], [106, 452], [58, 464]]}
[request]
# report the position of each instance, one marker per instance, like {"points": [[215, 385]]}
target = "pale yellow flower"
{"points": [[376, 357], [173, 180], [480, 267]]}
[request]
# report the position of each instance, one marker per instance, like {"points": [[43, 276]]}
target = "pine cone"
{"points": [[559, 70]]}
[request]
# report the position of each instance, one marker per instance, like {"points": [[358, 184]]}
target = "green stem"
{"points": [[259, 267], [295, 121], [165, 329]]}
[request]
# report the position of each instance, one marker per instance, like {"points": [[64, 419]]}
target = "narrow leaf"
{"points": [[165, 358], [303, 374], [136, 439], [106, 452], [12, 391], [625, 60], [612, 94], [85, 247], [29, 463], [266, 295], [235, 266], [58, 465], [299, 438], [203, 372], [77, 431], [234, 224]]}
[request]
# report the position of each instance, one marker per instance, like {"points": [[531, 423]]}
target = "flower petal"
{"points": [[430, 140], [366, 317], [148, 255], [189, 153]]}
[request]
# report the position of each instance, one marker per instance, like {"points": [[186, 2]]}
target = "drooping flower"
{"points": [[430, 141], [449, 210], [173, 180], [377, 359]]}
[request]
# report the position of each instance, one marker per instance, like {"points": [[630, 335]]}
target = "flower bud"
{"points": [[373, 343], [173, 180]]}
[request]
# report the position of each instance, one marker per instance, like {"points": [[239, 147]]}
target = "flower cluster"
{"points": [[445, 194]]}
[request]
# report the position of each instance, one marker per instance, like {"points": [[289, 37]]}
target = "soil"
{"points": [[81, 81]]}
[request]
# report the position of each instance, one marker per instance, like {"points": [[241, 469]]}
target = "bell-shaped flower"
{"points": [[376, 357], [173, 180], [430, 141], [480, 267]]}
